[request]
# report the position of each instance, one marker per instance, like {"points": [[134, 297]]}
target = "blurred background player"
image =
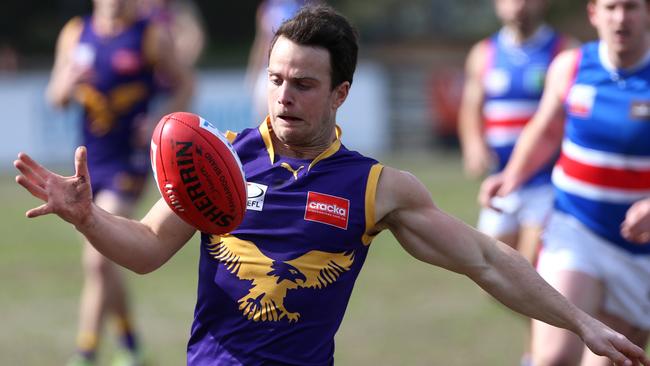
{"points": [[106, 62], [504, 82], [596, 107], [270, 14]]}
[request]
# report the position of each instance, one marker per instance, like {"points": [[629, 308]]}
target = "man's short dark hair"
{"points": [[322, 26]]}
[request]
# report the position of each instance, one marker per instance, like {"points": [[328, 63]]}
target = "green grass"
{"points": [[402, 312]]}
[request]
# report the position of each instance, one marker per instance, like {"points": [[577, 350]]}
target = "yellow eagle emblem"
{"points": [[272, 278]]}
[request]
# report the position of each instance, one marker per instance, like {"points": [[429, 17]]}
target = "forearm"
{"points": [[536, 147], [127, 242], [470, 131], [440, 239], [59, 92], [509, 278]]}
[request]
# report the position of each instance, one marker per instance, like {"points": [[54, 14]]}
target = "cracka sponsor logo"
{"points": [[326, 209]]}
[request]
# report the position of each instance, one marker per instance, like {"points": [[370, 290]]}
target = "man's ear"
{"points": [[591, 12], [340, 94]]}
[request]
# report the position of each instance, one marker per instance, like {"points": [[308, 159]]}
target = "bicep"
{"points": [[423, 230], [437, 238]]}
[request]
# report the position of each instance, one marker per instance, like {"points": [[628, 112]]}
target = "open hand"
{"points": [[603, 341], [636, 226], [68, 197]]}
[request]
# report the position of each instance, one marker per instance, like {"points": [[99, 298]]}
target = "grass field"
{"points": [[402, 312]]}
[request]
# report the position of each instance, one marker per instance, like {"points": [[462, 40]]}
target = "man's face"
{"points": [[523, 14], [302, 104], [621, 24]]}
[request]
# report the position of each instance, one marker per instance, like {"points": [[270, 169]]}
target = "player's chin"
{"points": [[288, 129], [289, 136]]}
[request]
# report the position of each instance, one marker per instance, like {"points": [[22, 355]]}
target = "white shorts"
{"points": [[525, 207], [568, 245]]}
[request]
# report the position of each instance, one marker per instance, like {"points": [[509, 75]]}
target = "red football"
{"points": [[198, 173]]}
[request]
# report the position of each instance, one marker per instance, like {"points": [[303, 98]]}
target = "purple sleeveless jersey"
{"points": [[274, 291], [114, 101]]}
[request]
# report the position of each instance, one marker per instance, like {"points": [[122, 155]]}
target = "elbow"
{"points": [[57, 100], [142, 264], [142, 270], [145, 267]]}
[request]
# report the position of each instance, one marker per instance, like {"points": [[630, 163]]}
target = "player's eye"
{"points": [[303, 86]]}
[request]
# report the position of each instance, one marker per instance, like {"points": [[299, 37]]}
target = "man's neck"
{"points": [[631, 58], [111, 25], [307, 152], [520, 34]]}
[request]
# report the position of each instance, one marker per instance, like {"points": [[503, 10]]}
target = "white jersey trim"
{"points": [[609, 66], [509, 109], [603, 159], [502, 136]]}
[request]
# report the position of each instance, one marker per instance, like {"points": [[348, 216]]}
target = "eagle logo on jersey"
{"points": [[103, 109], [271, 279]]}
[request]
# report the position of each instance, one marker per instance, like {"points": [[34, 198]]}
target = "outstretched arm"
{"points": [[140, 246], [404, 206]]}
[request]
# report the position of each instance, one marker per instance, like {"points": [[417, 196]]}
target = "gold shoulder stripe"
{"points": [[75, 23], [371, 191], [331, 150], [230, 136], [70, 35], [265, 131]]}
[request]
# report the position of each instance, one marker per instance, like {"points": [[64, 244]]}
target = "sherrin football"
{"points": [[198, 173]]}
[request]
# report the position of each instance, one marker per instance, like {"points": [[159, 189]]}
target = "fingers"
{"points": [[642, 361], [81, 162], [635, 236], [35, 167], [627, 353], [36, 190], [29, 174], [41, 210], [634, 231], [489, 190]]}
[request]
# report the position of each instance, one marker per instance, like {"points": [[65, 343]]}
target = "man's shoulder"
{"points": [[73, 27]]}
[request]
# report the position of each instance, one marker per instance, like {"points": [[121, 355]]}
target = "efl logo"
{"points": [[256, 193], [330, 210]]}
